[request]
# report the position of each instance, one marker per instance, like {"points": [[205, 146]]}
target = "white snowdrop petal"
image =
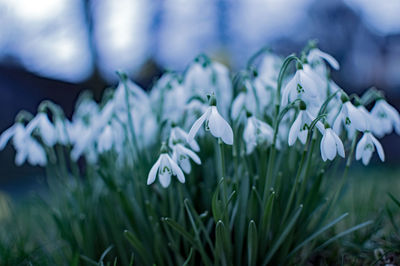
{"points": [[339, 145], [330, 59], [356, 117], [322, 149], [196, 126], [360, 147], [379, 148], [177, 171], [329, 145], [366, 156], [237, 105], [6, 136], [36, 153], [191, 154], [21, 156], [47, 130], [153, 172], [185, 165], [165, 179], [295, 129], [219, 128]]}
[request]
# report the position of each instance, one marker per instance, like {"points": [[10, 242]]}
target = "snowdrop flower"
{"points": [[351, 118], [256, 132], [105, 141], [331, 145], [61, 131], [315, 55], [206, 76], [300, 127], [268, 71], [301, 86], [169, 97], [32, 151], [365, 148], [386, 117], [46, 129], [254, 96], [181, 155], [178, 135], [214, 122], [24, 144], [165, 167]]}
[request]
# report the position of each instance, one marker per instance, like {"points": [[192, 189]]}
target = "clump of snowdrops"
{"points": [[208, 167]]}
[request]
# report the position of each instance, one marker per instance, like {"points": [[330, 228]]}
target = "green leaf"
{"points": [[216, 204], [177, 227], [252, 243], [283, 235], [188, 258], [137, 245], [344, 233], [394, 199], [222, 244], [320, 231], [105, 254]]}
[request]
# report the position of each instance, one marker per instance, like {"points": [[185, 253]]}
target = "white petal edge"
{"points": [[153, 172]]}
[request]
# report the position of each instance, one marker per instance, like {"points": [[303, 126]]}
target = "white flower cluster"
{"points": [[275, 108]]}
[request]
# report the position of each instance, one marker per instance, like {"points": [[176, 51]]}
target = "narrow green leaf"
{"points": [[192, 213], [88, 260], [344, 233], [282, 236], [141, 251], [188, 258], [177, 227], [216, 204], [221, 244], [252, 243], [394, 199], [267, 214], [320, 231], [105, 254]]}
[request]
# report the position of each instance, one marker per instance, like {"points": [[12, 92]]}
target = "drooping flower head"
{"points": [[165, 167], [331, 145], [214, 122], [256, 132], [386, 118], [366, 146]]}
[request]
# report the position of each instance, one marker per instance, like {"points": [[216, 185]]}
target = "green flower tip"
{"points": [[164, 147], [344, 97], [211, 99], [302, 105]]}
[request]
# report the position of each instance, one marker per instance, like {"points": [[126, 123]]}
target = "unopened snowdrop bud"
{"points": [[331, 145], [256, 132], [366, 146], [214, 122], [386, 117], [165, 167], [46, 129], [181, 155]]}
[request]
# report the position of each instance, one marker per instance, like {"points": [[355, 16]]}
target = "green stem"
{"points": [[296, 182], [222, 174], [130, 119]]}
